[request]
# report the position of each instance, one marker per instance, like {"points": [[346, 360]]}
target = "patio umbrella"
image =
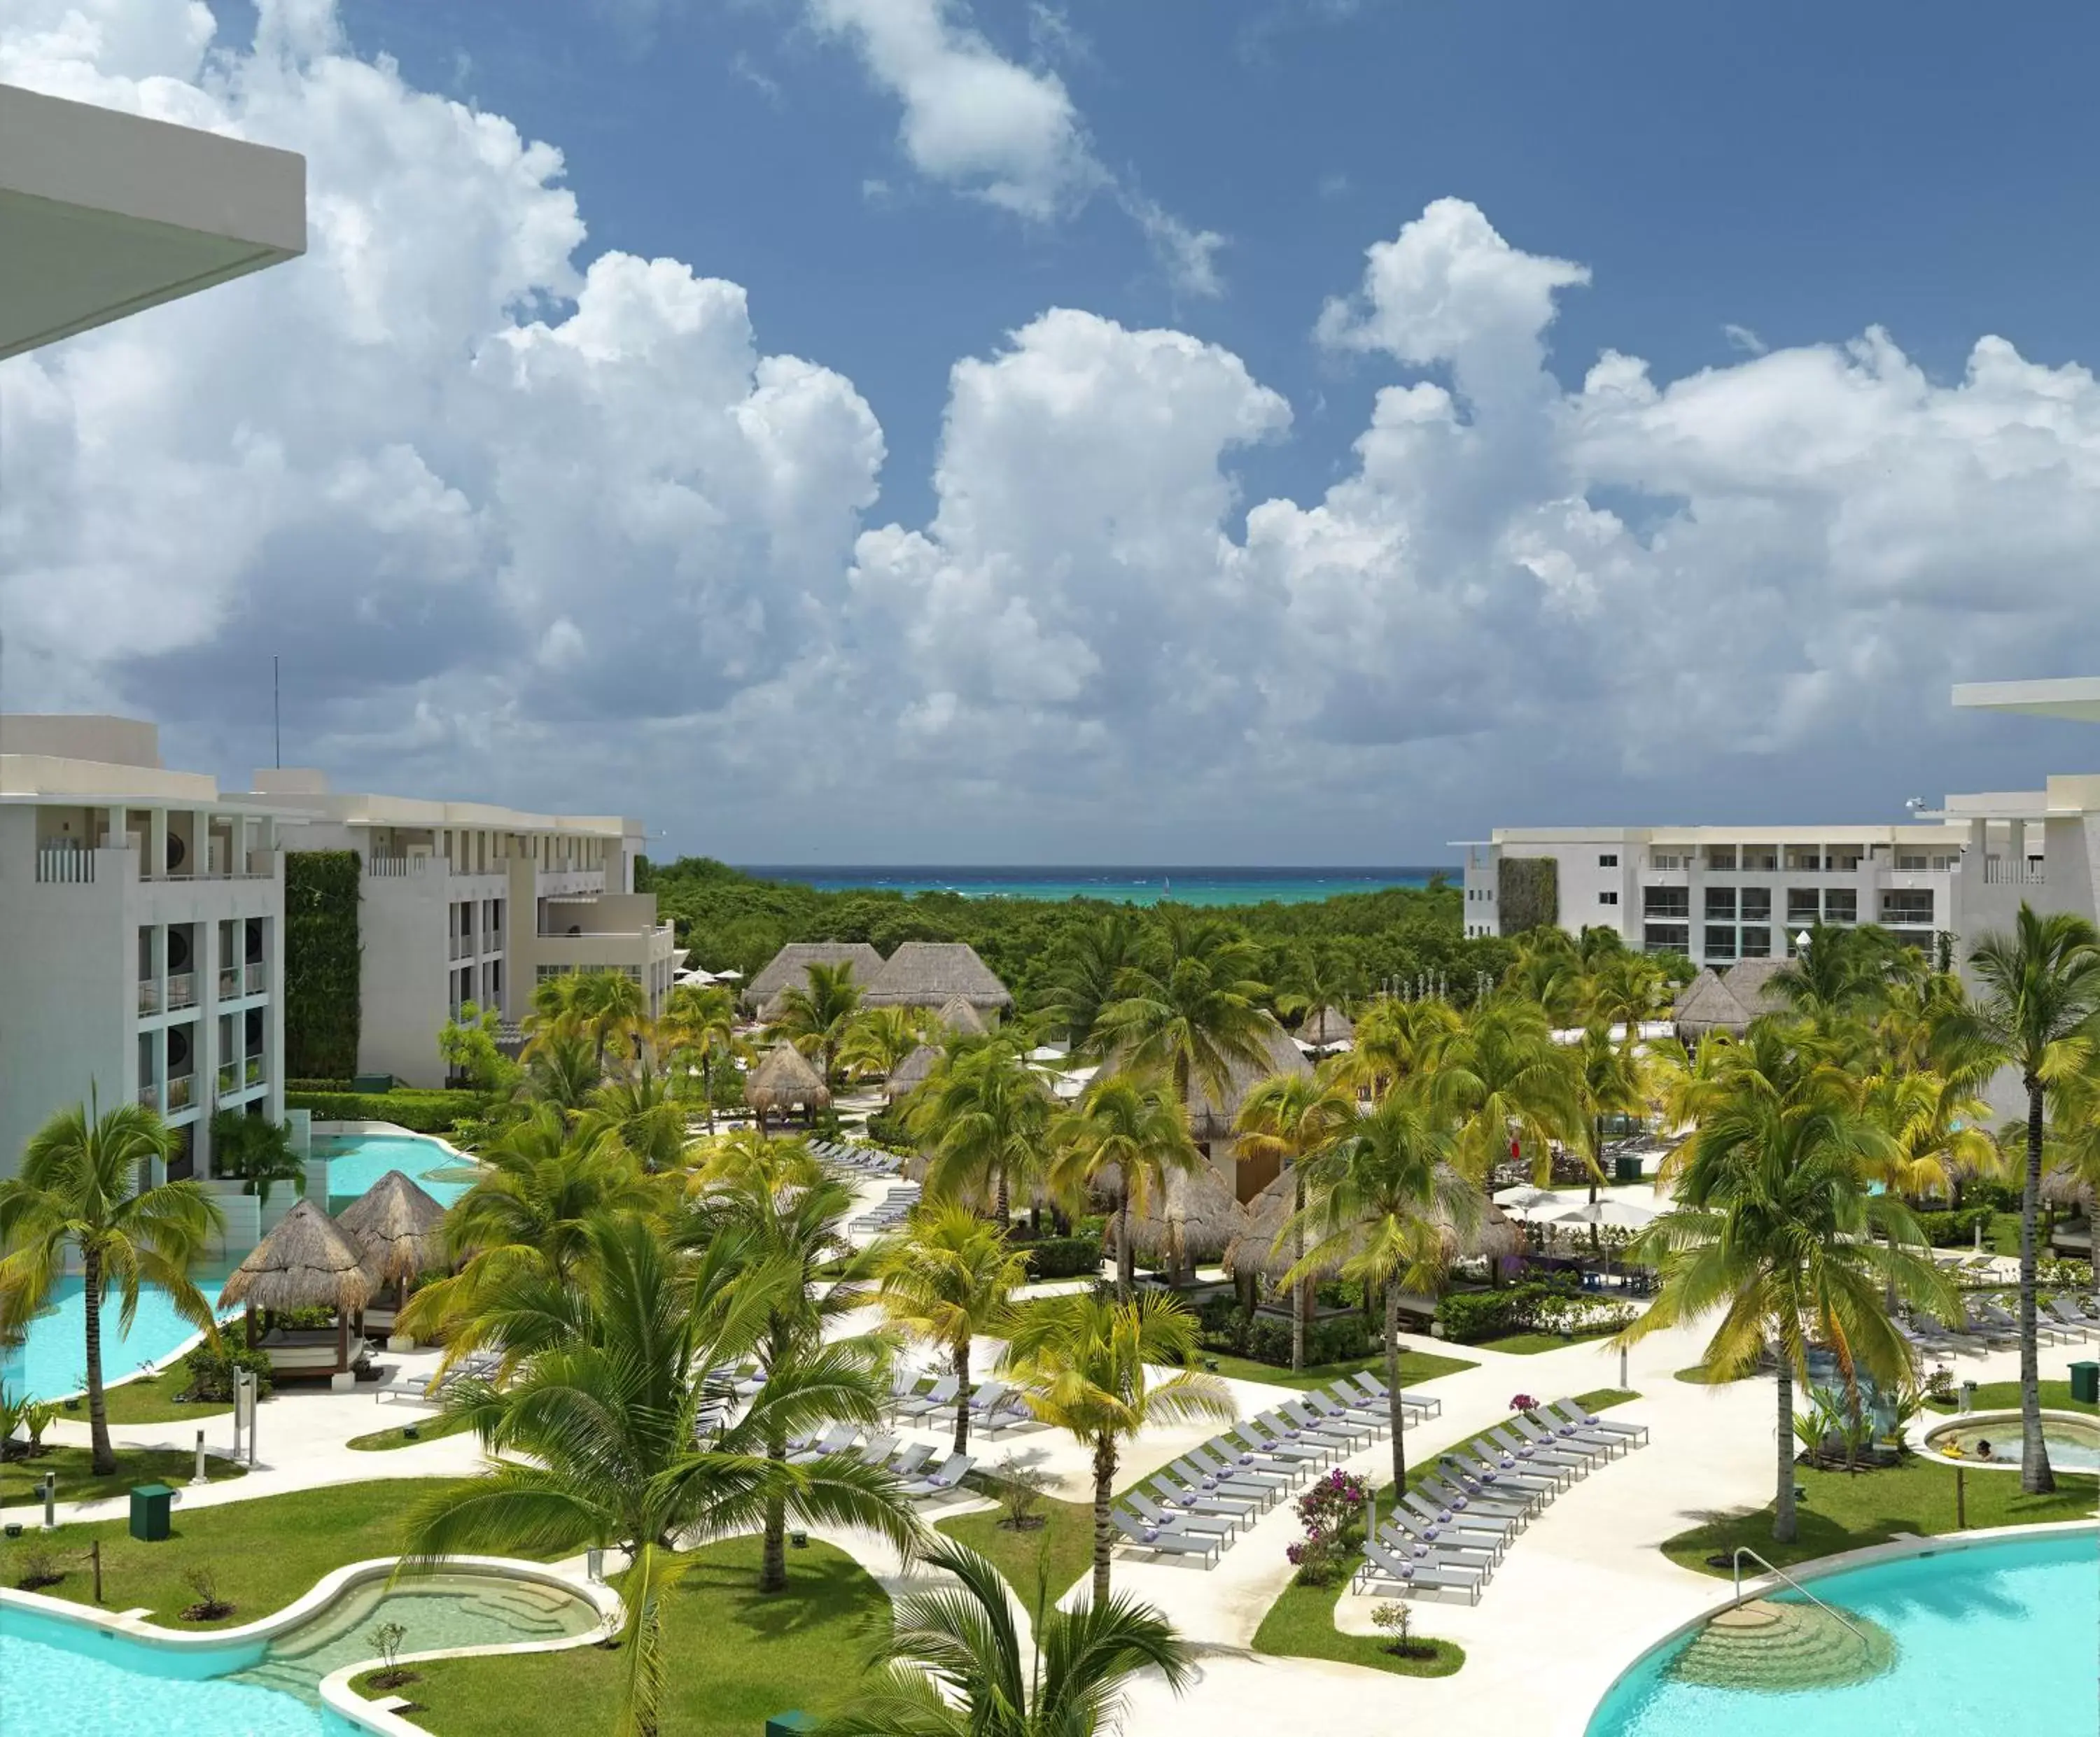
{"points": [[1524, 1200], [1623, 1213]]}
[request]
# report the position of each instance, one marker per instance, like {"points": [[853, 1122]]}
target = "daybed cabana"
{"points": [[307, 1262], [784, 1081], [400, 1231]]}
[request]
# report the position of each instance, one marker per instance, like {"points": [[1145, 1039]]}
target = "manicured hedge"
{"points": [[432, 1112], [322, 1011], [1065, 1258], [1949, 1230], [1470, 1316]]}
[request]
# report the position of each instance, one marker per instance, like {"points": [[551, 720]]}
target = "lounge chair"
{"points": [[939, 1397], [1333, 1442], [2047, 1331], [1636, 1433], [1267, 1440], [1453, 1496], [1326, 1406], [2002, 1338], [1462, 1524], [1192, 1498], [996, 1407], [1348, 1426], [1400, 1532], [1594, 1447], [2070, 1320], [913, 1461], [1225, 1458], [2077, 1305], [1566, 1466], [957, 1467], [837, 1439], [1152, 1515], [1510, 1483], [877, 1449], [1262, 1489], [1170, 1541], [1381, 1564], [1427, 1405]]}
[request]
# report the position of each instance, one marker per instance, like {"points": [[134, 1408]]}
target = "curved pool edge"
{"points": [[349, 1709], [2010, 1462], [1579, 1720]]}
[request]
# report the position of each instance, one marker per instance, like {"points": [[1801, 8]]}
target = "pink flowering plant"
{"points": [[1522, 1402], [1333, 1513]]}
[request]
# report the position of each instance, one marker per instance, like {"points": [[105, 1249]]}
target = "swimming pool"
{"points": [[2073, 1443], [1992, 1641], [52, 1360], [357, 1161]]}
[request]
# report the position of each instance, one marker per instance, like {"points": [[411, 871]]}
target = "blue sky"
{"points": [[1456, 416]]}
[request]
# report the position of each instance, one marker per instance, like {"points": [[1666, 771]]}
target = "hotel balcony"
{"points": [[149, 1094], [229, 1078], [229, 983], [181, 989], [181, 1088], [256, 978], [149, 996]]}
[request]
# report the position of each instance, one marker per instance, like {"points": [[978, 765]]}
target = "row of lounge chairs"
{"points": [[871, 1161], [1986, 1327], [1451, 1532], [480, 1365], [914, 1462], [993, 1406], [890, 1212], [1200, 1503]]}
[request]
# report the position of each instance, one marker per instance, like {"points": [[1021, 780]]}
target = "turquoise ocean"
{"points": [[1129, 886]]}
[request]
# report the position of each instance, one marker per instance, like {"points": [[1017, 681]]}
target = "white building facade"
{"points": [[141, 933], [1718, 894], [465, 902]]}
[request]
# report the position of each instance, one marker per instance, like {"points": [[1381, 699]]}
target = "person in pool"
{"points": [[1983, 1450]]}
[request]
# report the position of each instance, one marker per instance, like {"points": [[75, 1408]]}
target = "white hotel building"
{"points": [[465, 902], [1718, 894]]}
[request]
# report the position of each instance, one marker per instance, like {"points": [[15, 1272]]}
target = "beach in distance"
{"points": [[1130, 885]]}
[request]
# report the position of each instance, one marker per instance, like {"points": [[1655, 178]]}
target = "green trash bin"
{"points": [[1626, 1167], [373, 1082], [2085, 1383], [151, 1506], [789, 1724]]}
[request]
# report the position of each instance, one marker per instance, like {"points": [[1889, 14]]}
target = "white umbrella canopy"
{"points": [[1625, 1213], [1527, 1201]]}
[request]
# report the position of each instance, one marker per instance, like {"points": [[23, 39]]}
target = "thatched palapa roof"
{"points": [[1212, 1217], [1713, 1003], [962, 1019], [1269, 1211], [1211, 1119], [783, 1078], [307, 1262], [912, 1071], [1326, 1028], [931, 973], [790, 967], [398, 1229]]}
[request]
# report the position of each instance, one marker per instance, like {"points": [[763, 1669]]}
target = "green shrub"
{"points": [[1471, 1316], [211, 1369], [1949, 1230], [322, 962], [432, 1112], [1064, 1256]]}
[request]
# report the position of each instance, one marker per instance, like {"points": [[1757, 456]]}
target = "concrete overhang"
{"points": [[103, 213], [2074, 697]]}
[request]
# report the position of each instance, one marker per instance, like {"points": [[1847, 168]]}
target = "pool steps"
{"points": [[1779, 1646]]}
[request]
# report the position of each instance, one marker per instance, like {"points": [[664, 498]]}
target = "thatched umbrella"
{"points": [[307, 1262], [928, 973], [398, 1229], [1328, 1029], [962, 1019], [1199, 1204], [783, 1079], [913, 1071], [1210, 1118], [1706, 1005]]}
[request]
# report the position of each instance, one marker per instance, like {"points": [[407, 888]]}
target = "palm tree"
{"points": [[562, 1068], [1842, 971], [83, 1188], [982, 1116], [638, 1112], [879, 1039], [789, 1220], [1082, 1364], [1134, 1127], [956, 1665], [1610, 1080], [1293, 1117], [697, 1027], [596, 1442], [1315, 975], [1085, 973], [613, 1008], [542, 1185], [1394, 1041], [1775, 1225], [948, 1276], [1384, 1202], [1500, 1071], [815, 1014], [1191, 1010], [2040, 1013]]}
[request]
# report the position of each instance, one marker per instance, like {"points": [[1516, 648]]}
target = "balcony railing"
{"points": [[66, 865], [385, 867], [252, 1073], [229, 982], [2013, 875], [149, 1094], [256, 978], [179, 1088], [229, 1078], [149, 995], [181, 988], [462, 947]]}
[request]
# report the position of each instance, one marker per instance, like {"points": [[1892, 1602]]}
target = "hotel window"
{"points": [[1802, 904], [1757, 943], [1911, 862], [1756, 904], [1804, 859], [1721, 904], [1609, 859], [1945, 865], [1664, 859], [1844, 859], [1720, 855], [1667, 938], [1840, 904], [1902, 906], [1607, 898], [1760, 859], [1665, 901], [1720, 942]]}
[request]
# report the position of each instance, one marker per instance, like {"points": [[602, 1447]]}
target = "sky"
{"points": [[916, 430]]}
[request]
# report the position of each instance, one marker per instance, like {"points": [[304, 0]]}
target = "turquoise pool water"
{"points": [[357, 1161], [1993, 1641], [52, 1360]]}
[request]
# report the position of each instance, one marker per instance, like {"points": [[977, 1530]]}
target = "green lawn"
{"points": [[1415, 1367], [1847, 1511], [2004, 1395], [1530, 1344], [1700, 1376], [431, 1427], [731, 1657], [264, 1553], [151, 1399], [1063, 1544], [1301, 1624], [21, 1481]]}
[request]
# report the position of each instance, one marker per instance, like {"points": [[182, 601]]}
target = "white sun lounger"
{"points": [[1410, 1574]]}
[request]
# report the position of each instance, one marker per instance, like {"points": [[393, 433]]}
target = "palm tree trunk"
{"points": [[1784, 1524], [2036, 1476], [1395, 1416], [1105, 1468], [773, 1561], [1302, 1297], [962, 1367], [104, 1456], [1000, 1205], [1126, 1258]]}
